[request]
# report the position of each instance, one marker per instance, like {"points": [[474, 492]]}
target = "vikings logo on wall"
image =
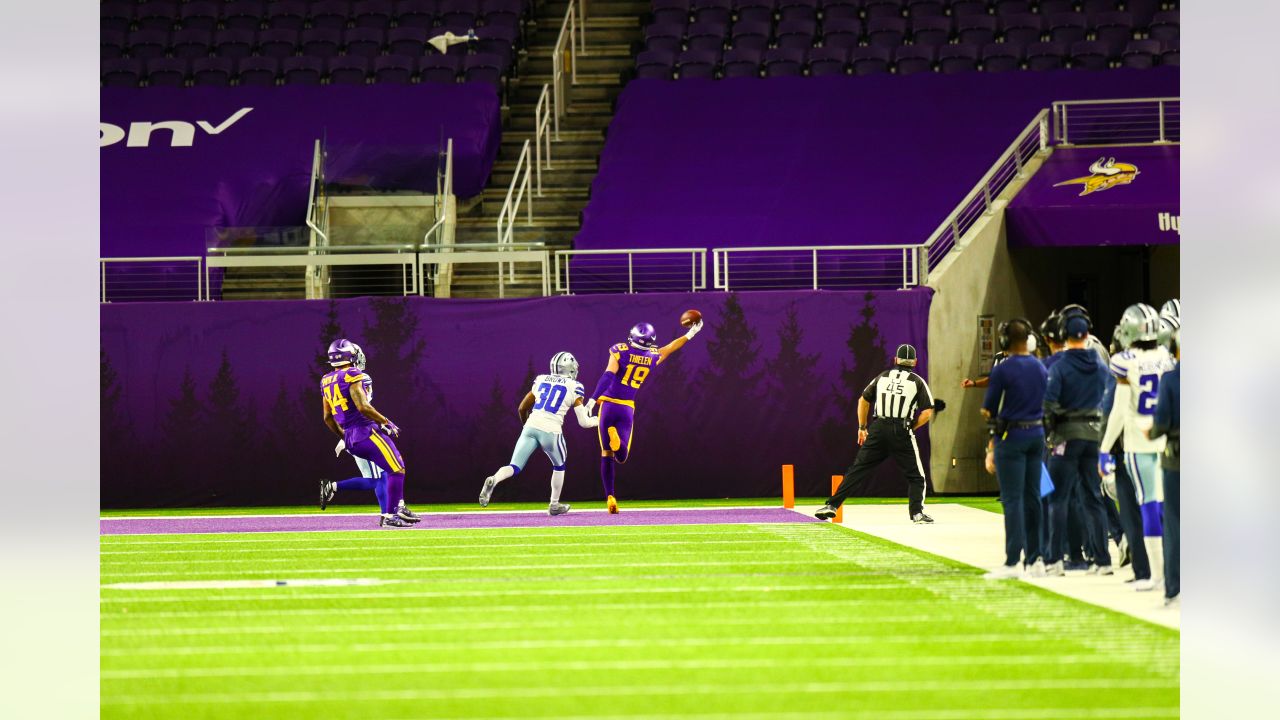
{"points": [[1104, 176]]}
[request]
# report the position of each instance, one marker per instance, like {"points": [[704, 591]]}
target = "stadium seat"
{"points": [[121, 72], [497, 40], [156, 15], [754, 11], [958, 58], [706, 36], [1092, 7], [243, 15], [278, 43], [1113, 28], [349, 70], [912, 59], [798, 10], [191, 43], [1090, 55], [1142, 11], [365, 42], [393, 69], [415, 13], [485, 68], [917, 9], [1052, 7], [670, 11], [1011, 7], [167, 72], [697, 64], [886, 32], [372, 14], [750, 35], [828, 61], [258, 71], [869, 60], [111, 44], [1066, 28], [286, 15], [459, 29], [963, 8], [1169, 57], [1164, 27], [502, 12], [932, 31], [146, 44], [440, 68], [116, 15], [462, 12], [321, 42], [841, 32], [408, 41], [302, 70], [212, 71], [668, 37], [719, 12], [1001, 57], [796, 34], [742, 62], [1021, 29], [976, 29], [233, 44], [1141, 54], [784, 62], [198, 15], [839, 10], [1046, 55], [883, 8], [655, 64], [330, 14]]}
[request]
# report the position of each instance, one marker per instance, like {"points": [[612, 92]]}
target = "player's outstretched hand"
{"points": [[694, 329], [337, 449], [391, 429], [967, 383]]}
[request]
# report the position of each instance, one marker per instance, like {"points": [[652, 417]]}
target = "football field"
{"points": [[678, 612]]}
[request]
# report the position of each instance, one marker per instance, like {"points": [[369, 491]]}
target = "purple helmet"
{"points": [[643, 335], [343, 352]]}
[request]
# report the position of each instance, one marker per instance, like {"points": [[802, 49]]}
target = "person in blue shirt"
{"points": [[1168, 422], [1014, 405]]}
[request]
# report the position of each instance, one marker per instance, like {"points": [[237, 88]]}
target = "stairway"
{"points": [[611, 28]]}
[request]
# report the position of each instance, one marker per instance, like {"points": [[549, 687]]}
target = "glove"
{"points": [[391, 429], [939, 405], [694, 329], [1106, 464], [337, 449], [589, 405]]}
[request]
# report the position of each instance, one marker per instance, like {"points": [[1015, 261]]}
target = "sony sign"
{"points": [[181, 134]]}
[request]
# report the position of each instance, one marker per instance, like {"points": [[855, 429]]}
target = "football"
{"points": [[690, 317]]}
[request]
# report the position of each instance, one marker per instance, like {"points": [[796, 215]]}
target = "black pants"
{"points": [[1075, 479], [1172, 532], [886, 439], [1131, 521]]}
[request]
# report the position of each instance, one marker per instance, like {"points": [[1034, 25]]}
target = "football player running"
{"points": [[542, 411]]}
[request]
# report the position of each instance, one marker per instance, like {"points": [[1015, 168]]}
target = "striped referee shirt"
{"points": [[898, 394]]}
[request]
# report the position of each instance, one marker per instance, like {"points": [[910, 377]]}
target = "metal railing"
{"points": [[827, 267], [567, 51], [432, 259], [515, 196], [317, 218], [543, 114], [351, 271], [663, 269], [151, 279], [1118, 122]]}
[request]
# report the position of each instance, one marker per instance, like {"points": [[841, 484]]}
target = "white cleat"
{"points": [[1100, 570], [557, 508], [1055, 569], [1148, 585], [487, 491], [1036, 570], [1004, 572]]}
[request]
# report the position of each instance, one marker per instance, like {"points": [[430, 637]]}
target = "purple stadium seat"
{"points": [[925, 8], [912, 59], [839, 10], [286, 15], [886, 32], [697, 64], [233, 43], [1090, 55], [484, 68], [958, 58], [496, 39], [115, 15], [321, 42], [167, 72], [409, 41], [349, 70], [706, 36], [415, 13], [1164, 27], [146, 44], [671, 11], [457, 11], [259, 71], [750, 35], [243, 15], [440, 68], [1052, 7], [963, 8], [792, 10], [754, 11], [502, 12], [112, 44], [278, 43], [1113, 28], [198, 15], [1001, 57], [654, 65], [712, 11], [869, 60], [796, 34], [192, 43], [784, 62], [1091, 7], [212, 71], [841, 32], [329, 14], [1021, 29], [365, 42], [121, 72], [742, 62], [156, 15], [393, 69], [457, 28], [373, 14], [1169, 57], [1046, 55], [828, 61], [976, 29], [1066, 28], [301, 70], [666, 37], [1011, 7], [1141, 54], [883, 8], [1142, 11], [932, 31]]}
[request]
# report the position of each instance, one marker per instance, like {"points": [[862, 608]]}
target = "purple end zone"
{"points": [[446, 521]]}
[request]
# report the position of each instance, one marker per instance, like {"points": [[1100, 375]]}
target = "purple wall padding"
{"points": [[1141, 211], [219, 403], [162, 200], [811, 161]]}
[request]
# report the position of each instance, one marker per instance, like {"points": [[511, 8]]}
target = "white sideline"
{"points": [[976, 537]]}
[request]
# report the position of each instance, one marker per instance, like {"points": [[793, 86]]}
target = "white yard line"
{"points": [[976, 537], [428, 514]]}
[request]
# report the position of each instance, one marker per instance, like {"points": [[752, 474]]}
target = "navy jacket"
{"points": [[1168, 417], [1015, 392], [1074, 395]]}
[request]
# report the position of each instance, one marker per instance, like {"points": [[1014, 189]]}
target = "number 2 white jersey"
{"points": [[553, 396], [1143, 369]]}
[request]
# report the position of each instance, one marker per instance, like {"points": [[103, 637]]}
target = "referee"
{"points": [[898, 395]]}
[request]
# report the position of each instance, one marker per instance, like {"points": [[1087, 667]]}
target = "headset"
{"points": [[1002, 334], [1073, 311]]}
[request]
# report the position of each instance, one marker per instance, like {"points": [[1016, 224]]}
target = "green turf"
{"points": [[751, 621]]}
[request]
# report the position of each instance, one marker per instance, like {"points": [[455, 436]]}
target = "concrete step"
{"points": [[554, 201], [559, 177]]}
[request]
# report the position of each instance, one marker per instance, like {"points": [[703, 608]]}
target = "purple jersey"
{"points": [[634, 366], [336, 387]]}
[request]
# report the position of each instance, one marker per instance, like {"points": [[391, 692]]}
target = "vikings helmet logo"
{"points": [[1105, 174]]}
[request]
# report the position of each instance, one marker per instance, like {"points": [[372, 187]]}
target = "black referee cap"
{"points": [[906, 355]]}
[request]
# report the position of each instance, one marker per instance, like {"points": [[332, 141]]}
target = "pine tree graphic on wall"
{"points": [[868, 356]]}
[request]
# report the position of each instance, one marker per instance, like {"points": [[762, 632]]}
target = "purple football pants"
{"points": [[372, 445]]}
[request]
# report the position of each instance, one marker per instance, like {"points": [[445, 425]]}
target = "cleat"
{"points": [[921, 519], [394, 521], [612, 504], [1004, 572], [1074, 565], [826, 512], [487, 491], [1036, 569], [1148, 585], [404, 513], [1173, 602], [1055, 569], [1125, 556], [1100, 570], [557, 508], [327, 491]]}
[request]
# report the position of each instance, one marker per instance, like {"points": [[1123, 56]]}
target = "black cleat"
{"points": [[826, 512], [394, 521], [406, 514], [921, 519], [327, 490]]}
